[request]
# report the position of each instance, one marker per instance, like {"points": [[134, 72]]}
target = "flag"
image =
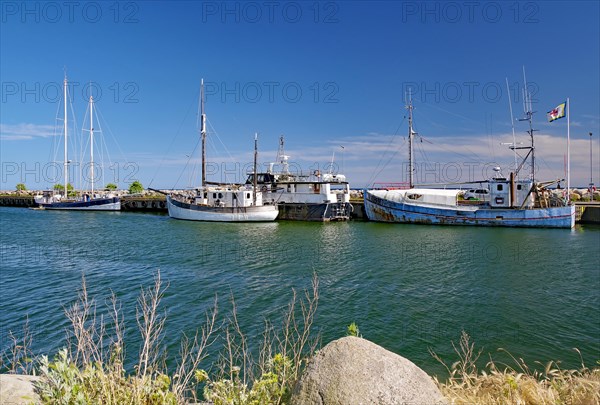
{"points": [[556, 113]]}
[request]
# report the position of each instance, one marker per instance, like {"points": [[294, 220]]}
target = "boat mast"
{"points": [[282, 158], [66, 164], [203, 133], [255, 185], [92, 144], [528, 109], [529, 117], [411, 168]]}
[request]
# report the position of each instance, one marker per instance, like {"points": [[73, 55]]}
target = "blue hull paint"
{"points": [[98, 204], [384, 210]]}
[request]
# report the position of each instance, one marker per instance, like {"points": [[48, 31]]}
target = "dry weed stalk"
{"points": [[515, 385], [18, 358], [192, 352], [151, 325], [293, 342], [87, 333], [281, 351]]}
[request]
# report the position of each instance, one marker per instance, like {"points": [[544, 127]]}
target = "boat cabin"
{"points": [[227, 197], [505, 193]]}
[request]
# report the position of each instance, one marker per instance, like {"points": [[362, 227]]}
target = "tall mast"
{"points": [[66, 164], [569, 152], [529, 117], [411, 168], [92, 144], [255, 185], [591, 170], [203, 133]]}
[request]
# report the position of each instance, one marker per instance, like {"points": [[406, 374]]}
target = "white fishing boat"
{"points": [[221, 202], [304, 197], [512, 202], [91, 200]]}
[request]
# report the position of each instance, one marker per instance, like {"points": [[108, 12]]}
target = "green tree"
{"points": [[70, 192], [111, 186], [60, 187], [136, 187], [21, 187]]}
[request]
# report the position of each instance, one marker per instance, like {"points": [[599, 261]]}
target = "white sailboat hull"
{"points": [[195, 212]]}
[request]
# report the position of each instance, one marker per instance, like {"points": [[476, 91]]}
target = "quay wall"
{"points": [[587, 212]]}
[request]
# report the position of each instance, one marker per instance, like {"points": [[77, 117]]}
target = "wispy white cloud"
{"points": [[25, 131]]}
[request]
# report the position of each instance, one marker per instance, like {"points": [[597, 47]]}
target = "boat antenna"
{"points": [[282, 158], [411, 134], [203, 132], [332, 160], [255, 181]]}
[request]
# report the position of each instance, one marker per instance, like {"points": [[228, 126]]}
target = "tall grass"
{"points": [[518, 384], [90, 368]]}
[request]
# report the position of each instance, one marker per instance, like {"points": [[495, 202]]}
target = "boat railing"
{"points": [[391, 186]]}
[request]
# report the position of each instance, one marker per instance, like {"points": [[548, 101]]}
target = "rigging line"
{"points": [[172, 141], [103, 146], [550, 168], [215, 134], [451, 113], [53, 152], [100, 118], [187, 163], [475, 155], [388, 148], [73, 138], [393, 155]]}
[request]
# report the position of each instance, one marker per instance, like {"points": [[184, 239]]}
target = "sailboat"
{"points": [[512, 203], [92, 201], [222, 202], [317, 196]]}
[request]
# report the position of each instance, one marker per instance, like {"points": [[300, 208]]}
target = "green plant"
{"points": [[111, 186], [61, 187], [21, 187], [292, 343], [90, 369], [353, 330], [135, 187]]}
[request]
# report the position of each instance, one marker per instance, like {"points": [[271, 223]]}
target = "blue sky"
{"points": [[329, 76]]}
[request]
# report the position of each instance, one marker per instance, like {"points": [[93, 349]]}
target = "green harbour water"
{"points": [[410, 288]]}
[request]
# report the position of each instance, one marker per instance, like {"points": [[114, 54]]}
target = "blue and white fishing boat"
{"points": [[92, 200], [512, 202]]}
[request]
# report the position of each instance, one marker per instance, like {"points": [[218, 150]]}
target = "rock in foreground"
{"points": [[353, 371], [16, 389]]}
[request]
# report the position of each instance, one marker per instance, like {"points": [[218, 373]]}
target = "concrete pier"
{"points": [[586, 212]]}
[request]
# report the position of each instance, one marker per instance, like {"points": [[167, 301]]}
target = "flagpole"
{"points": [[568, 151]]}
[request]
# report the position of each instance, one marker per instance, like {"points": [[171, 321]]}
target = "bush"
{"points": [[88, 371], [136, 187]]}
